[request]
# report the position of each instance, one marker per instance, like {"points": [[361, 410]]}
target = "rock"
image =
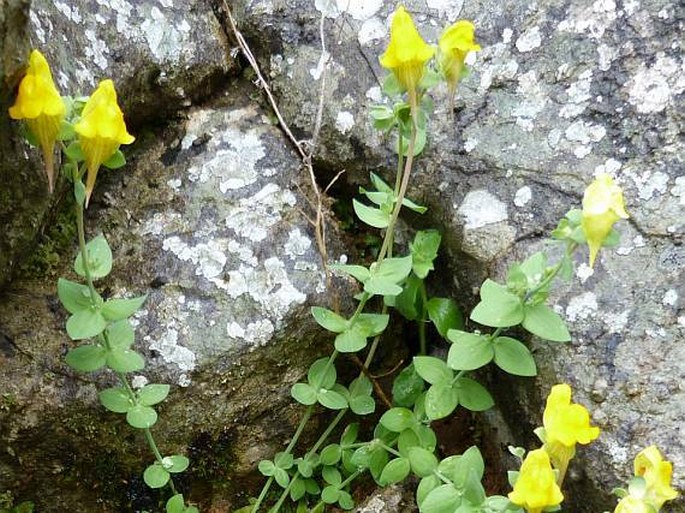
{"points": [[207, 220], [163, 57], [391, 499], [558, 93]]}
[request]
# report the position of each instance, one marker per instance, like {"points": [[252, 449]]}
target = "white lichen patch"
{"points": [[615, 322], [165, 39], [592, 19], [606, 56], [583, 272], [172, 352], [534, 100], [649, 184], [481, 208], [297, 244], [670, 298], [252, 217], [584, 132], [529, 40], [97, 51], [610, 167], [581, 307], [72, 13], [359, 9], [139, 381], [208, 257], [637, 242], [450, 8], [470, 144], [372, 30], [652, 88], [678, 190], [500, 71], [344, 121], [578, 94], [523, 196]]}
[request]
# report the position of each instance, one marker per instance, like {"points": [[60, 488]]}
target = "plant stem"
{"points": [[386, 250], [80, 225], [570, 248], [423, 319]]}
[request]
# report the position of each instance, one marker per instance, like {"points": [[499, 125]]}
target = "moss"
{"points": [[56, 242]]}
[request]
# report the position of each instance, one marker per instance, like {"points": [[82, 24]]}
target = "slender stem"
{"points": [[391, 450], [403, 186], [262, 495], [328, 432], [103, 336], [458, 376], [423, 319], [305, 418], [570, 248]]}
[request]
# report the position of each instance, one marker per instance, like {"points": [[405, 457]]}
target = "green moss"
{"points": [[55, 243]]}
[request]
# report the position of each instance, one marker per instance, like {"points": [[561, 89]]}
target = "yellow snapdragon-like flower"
{"points": [[603, 205], [101, 130], [455, 43], [536, 487], [407, 53], [566, 424], [630, 504], [41, 106], [657, 473]]}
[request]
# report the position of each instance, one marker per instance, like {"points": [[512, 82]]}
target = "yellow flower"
{"points": [[632, 504], [656, 472], [566, 424], [603, 205], [407, 54], [101, 130], [40, 104], [536, 487], [455, 43]]}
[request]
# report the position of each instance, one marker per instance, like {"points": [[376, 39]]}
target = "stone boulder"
{"points": [[559, 92]]}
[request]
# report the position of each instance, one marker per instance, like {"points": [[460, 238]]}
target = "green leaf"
{"points": [[74, 152], [443, 499], [331, 400], [534, 267], [426, 486], [331, 475], [330, 455], [419, 209], [424, 250], [381, 113], [514, 357], [362, 405], [66, 131], [378, 459], [322, 374], [303, 393], [407, 387], [281, 477], [119, 309], [469, 351], [359, 272], [395, 471], [445, 315], [423, 462], [378, 182], [297, 490], [419, 145], [120, 335], [176, 504], [473, 396], [498, 308], [141, 417], [86, 358], [351, 341], [397, 419], [386, 275], [284, 460], [79, 192], [85, 324], [124, 360], [408, 303], [391, 86], [267, 468], [432, 369], [150, 395], [330, 494], [175, 463], [372, 216], [99, 259], [544, 322], [470, 460], [155, 476], [74, 296], [349, 435], [345, 500], [116, 161], [441, 400], [116, 400], [372, 324], [361, 386], [329, 320]]}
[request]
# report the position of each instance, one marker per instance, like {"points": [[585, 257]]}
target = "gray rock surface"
{"points": [[560, 92], [208, 220]]}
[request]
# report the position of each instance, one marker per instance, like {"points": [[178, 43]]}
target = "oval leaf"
{"points": [[469, 351], [86, 358], [99, 259], [395, 471], [473, 395], [303, 393], [141, 417], [150, 395], [498, 307], [331, 400], [118, 309], [85, 324], [155, 476], [116, 400], [514, 357], [125, 360], [544, 322], [445, 315]]}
